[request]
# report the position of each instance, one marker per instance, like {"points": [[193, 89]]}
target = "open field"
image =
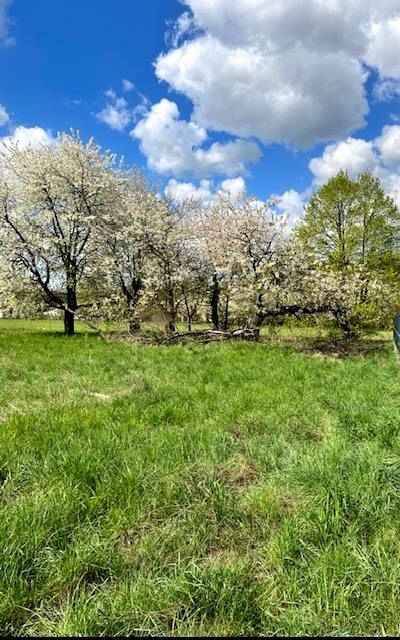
{"points": [[219, 489]]}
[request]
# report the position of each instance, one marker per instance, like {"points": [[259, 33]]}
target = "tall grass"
{"points": [[215, 490]]}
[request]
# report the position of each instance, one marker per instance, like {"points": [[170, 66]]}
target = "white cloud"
{"points": [[4, 117], [354, 155], [282, 70], [326, 26], [388, 144], [127, 85], [291, 204], [206, 192], [294, 97], [387, 89], [141, 109], [5, 22], [110, 93], [381, 156], [391, 184], [116, 113], [181, 191], [173, 146], [34, 137], [383, 51], [234, 186], [183, 26]]}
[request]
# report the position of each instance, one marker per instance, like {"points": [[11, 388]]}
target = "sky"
{"points": [[270, 97]]}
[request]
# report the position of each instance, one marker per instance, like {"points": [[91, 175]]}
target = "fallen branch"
{"points": [[212, 335]]}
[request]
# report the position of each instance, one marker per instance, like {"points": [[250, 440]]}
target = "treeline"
{"points": [[82, 233]]}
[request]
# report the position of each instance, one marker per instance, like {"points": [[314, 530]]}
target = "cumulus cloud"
{"points": [[386, 89], [388, 144], [282, 71], [293, 97], [174, 146], [383, 51], [206, 192], [4, 117], [181, 191], [185, 25], [34, 137], [141, 109], [381, 156], [291, 204], [326, 26], [234, 186], [353, 155], [118, 114], [5, 24]]}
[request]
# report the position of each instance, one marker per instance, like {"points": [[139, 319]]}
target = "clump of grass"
{"points": [[225, 489]]}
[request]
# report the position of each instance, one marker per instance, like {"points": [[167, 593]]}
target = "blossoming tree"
{"points": [[52, 201]]}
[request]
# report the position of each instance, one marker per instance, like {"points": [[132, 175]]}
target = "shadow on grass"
{"points": [[53, 335], [331, 347]]}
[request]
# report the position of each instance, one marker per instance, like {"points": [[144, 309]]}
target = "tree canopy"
{"points": [[82, 233]]}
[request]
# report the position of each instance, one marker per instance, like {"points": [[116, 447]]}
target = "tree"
{"points": [[241, 238], [269, 272], [174, 260], [352, 229], [194, 286], [124, 258], [52, 201], [215, 229]]}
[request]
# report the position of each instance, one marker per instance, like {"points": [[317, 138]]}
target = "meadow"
{"points": [[220, 489]]}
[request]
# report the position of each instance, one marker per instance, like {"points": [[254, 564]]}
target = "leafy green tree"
{"points": [[353, 228]]}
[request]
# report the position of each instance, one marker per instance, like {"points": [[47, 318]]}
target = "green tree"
{"points": [[353, 227]]}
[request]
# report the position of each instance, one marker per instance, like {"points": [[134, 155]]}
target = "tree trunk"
{"points": [[134, 324], [343, 323], [189, 314], [226, 314], [134, 320], [254, 324], [132, 292], [215, 302], [170, 325], [69, 313]]}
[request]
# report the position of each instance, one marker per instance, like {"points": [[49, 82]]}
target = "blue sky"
{"points": [[283, 82]]}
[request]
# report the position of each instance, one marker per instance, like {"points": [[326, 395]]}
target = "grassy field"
{"points": [[212, 490]]}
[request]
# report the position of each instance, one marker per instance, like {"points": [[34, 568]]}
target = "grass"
{"points": [[225, 489]]}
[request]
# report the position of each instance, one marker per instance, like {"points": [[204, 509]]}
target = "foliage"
{"points": [[82, 233], [352, 229], [53, 201]]}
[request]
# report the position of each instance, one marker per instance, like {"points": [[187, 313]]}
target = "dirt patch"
{"points": [[237, 472], [222, 556], [112, 395], [131, 537], [317, 436], [331, 349], [103, 397], [235, 432]]}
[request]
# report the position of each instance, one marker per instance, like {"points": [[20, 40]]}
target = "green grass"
{"points": [[212, 490]]}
